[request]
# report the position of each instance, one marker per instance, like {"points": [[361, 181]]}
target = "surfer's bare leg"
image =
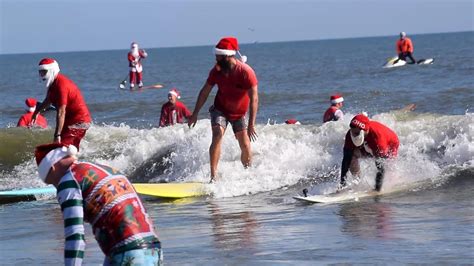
{"points": [[245, 148], [215, 149]]}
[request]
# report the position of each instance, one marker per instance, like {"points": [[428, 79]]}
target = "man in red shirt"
{"points": [[173, 111], [405, 48], [73, 118], [26, 119], [368, 138], [334, 112], [237, 93]]}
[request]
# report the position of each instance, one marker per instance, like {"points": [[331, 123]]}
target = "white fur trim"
{"points": [[31, 109], [338, 100], [52, 66], [175, 94], [53, 157], [218, 51]]}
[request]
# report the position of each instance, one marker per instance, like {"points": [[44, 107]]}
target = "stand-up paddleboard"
{"points": [[172, 190], [337, 197], [395, 62], [155, 86]]}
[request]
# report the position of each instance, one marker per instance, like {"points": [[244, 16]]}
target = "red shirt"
{"points": [[172, 114], [232, 97], [381, 139], [64, 92], [404, 45], [25, 121], [332, 114]]}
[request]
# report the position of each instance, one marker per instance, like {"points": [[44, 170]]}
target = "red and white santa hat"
{"points": [[48, 64], [31, 104], [337, 98], [175, 92], [229, 46], [360, 121], [49, 154]]}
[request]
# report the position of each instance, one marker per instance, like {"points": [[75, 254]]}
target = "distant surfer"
{"points": [[103, 197], [368, 138], [173, 111], [73, 117], [405, 48], [292, 121], [237, 93], [135, 57], [26, 120], [334, 112]]}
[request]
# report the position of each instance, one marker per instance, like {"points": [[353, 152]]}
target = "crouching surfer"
{"points": [[367, 138]]}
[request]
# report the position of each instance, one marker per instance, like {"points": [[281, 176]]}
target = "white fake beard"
{"points": [[49, 78], [358, 140], [135, 52]]}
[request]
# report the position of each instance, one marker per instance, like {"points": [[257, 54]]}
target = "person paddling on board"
{"points": [[368, 138], [292, 121], [103, 197], [135, 57], [334, 112], [173, 111], [237, 93], [73, 117], [27, 118], [405, 48]]}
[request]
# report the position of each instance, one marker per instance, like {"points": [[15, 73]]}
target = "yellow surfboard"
{"points": [[172, 190]]}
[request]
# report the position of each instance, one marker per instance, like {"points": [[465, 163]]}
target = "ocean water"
{"points": [[251, 217]]}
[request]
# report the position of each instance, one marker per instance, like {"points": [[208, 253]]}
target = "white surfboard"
{"points": [[427, 61], [344, 196]]}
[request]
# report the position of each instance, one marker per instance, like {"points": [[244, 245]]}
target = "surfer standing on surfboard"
{"points": [[173, 111], [237, 93], [334, 112], [135, 57], [405, 48], [368, 138], [73, 117], [103, 197]]}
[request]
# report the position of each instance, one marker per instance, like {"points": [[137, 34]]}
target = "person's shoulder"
{"points": [[244, 66]]}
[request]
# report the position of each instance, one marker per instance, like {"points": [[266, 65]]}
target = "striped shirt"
{"points": [[104, 198]]}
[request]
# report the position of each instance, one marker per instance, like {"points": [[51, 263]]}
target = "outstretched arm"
{"points": [[379, 163], [203, 94], [60, 118], [39, 109], [253, 94], [346, 163]]}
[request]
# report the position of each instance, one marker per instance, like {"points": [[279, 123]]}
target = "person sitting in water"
{"points": [[368, 138], [103, 197], [26, 120], [405, 48], [173, 111], [334, 112]]}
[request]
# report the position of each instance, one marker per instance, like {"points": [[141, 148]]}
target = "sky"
{"points": [[35, 26]]}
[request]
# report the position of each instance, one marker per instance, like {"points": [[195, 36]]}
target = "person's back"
{"points": [[382, 140], [110, 204]]}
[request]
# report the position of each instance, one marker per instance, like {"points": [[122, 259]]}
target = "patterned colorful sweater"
{"points": [[104, 198]]}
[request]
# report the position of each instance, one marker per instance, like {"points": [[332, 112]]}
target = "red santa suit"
{"points": [[379, 141], [25, 120], [333, 113], [134, 58], [173, 113]]}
